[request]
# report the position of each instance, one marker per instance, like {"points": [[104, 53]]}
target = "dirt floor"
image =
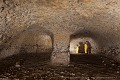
{"points": [[37, 67]]}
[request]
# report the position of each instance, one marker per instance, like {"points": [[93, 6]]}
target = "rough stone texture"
{"points": [[60, 54], [99, 17], [32, 40]]}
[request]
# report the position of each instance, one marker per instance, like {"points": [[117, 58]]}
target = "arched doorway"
{"points": [[83, 36], [76, 41], [80, 39], [32, 46], [37, 43]]}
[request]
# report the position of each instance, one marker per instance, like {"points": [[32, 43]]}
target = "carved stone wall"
{"points": [[61, 16]]}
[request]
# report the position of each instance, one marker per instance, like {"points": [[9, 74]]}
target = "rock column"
{"points": [[60, 54]]}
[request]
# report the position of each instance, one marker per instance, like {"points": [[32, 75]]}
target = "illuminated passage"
{"points": [[83, 45]]}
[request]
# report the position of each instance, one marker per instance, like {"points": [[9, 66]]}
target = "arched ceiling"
{"points": [[60, 16]]}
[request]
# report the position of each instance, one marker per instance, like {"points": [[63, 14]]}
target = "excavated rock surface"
{"points": [[67, 16], [60, 17], [36, 67]]}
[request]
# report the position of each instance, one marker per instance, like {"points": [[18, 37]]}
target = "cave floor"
{"points": [[34, 68]]}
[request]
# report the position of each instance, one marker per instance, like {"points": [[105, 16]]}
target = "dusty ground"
{"points": [[37, 67]]}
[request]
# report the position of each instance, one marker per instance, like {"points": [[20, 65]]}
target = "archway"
{"points": [[75, 42], [30, 45], [83, 36], [97, 41], [37, 40], [37, 44]]}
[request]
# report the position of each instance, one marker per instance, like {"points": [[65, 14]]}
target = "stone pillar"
{"points": [[60, 54]]}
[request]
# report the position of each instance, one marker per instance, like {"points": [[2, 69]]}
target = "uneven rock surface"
{"points": [[96, 19], [99, 17], [37, 67]]}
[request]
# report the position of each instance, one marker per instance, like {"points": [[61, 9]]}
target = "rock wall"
{"points": [[99, 17], [31, 40], [60, 54]]}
